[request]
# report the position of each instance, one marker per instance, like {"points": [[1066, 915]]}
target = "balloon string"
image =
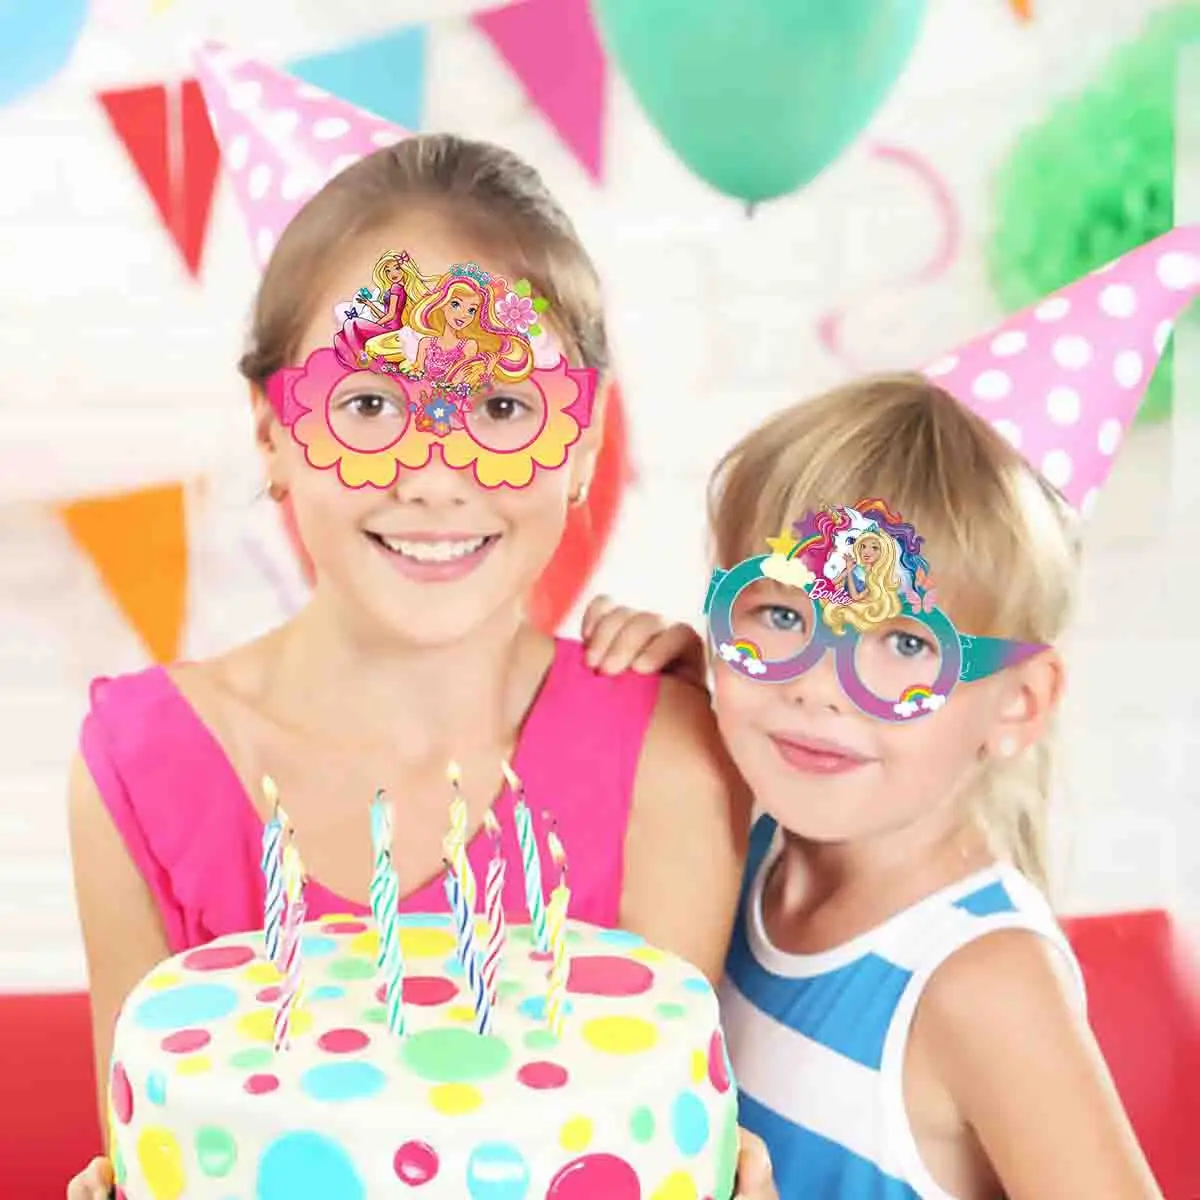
{"points": [[829, 326]]}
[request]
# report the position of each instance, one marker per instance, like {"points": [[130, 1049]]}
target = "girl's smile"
{"points": [[818, 756], [435, 557]]}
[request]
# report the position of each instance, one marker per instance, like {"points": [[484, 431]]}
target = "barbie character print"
{"points": [[850, 581], [459, 361]]}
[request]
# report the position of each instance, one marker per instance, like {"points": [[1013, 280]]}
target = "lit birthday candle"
{"points": [[289, 993], [456, 840], [468, 953], [556, 922], [494, 903], [530, 862], [381, 893], [385, 897], [272, 868]]}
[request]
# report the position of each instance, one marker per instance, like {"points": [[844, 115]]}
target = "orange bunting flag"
{"points": [[1023, 9], [137, 544]]}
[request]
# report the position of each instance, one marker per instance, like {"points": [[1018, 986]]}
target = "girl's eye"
{"points": [[908, 645], [500, 407], [455, 304], [786, 620], [366, 404]]}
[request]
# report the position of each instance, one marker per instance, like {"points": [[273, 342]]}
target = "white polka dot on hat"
{"points": [[282, 140], [1062, 381]]}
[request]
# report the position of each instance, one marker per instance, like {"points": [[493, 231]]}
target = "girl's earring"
{"points": [[1006, 747], [580, 495], [277, 492]]}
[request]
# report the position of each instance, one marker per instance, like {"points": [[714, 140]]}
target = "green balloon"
{"points": [[759, 96]]}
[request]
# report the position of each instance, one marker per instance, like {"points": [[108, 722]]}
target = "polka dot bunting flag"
{"points": [[281, 139], [1062, 381]]}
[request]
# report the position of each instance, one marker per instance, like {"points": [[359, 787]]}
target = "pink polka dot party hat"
{"points": [[281, 139], [1062, 381]]}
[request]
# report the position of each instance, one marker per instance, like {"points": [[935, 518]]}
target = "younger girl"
{"points": [[414, 648], [905, 1018]]}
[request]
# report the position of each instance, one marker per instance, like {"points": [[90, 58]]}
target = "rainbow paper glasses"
{"points": [[854, 584]]}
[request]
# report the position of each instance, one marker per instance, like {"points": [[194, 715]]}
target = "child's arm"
{"points": [[1002, 1031], [686, 837], [123, 936], [621, 639]]}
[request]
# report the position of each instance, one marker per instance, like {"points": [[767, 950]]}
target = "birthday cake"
{"points": [[632, 1100]]}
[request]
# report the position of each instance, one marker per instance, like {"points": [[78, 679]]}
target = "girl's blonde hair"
{"points": [[479, 188], [1001, 542]]}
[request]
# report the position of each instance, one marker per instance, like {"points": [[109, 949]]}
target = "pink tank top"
{"points": [[196, 838]]}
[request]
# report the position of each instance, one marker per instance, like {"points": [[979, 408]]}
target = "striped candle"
{"points": [[289, 996], [384, 891], [394, 993], [556, 985], [456, 839], [385, 897], [468, 954], [272, 868], [293, 958], [556, 921], [530, 861], [494, 903]]}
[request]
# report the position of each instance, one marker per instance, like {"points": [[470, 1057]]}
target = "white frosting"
{"points": [[635, 1101]]}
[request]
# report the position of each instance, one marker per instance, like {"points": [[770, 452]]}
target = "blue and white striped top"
{"points": [[817, 1041]]}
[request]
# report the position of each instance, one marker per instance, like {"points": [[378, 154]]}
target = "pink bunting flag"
{"points": [[555, 51]]}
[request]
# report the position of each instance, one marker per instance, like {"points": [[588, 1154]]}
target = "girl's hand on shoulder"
{"points": [[94, 1182], [754, 1179], [619, 639]]}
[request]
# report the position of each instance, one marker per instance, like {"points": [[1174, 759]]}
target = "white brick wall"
{"points": [[689, 280]]}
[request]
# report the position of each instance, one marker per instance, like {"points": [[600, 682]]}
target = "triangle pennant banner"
{"points": [[170, 141], [386, 75], [137, 544], [553, 48]]}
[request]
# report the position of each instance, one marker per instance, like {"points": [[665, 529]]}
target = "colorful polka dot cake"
{"points": [[633, 1102]]}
